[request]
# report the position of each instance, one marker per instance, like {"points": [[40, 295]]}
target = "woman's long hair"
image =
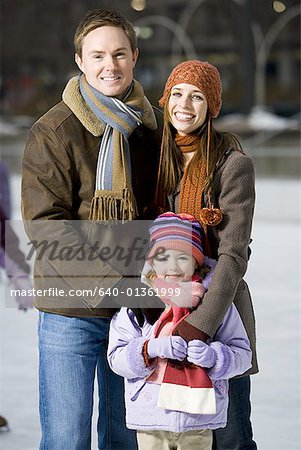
{"points": [[172, 159]]}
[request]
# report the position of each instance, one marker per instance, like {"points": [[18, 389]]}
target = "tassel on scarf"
{"points": [[113, 197], [107, 206]]}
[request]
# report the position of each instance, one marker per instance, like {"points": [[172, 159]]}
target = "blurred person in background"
{"points": [[206, 173], [12, 259], [92, 156]]}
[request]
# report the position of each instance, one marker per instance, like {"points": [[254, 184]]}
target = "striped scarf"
{"points": [[113, 197], [183, 386]]}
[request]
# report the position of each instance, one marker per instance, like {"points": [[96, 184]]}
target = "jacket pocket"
{"points": [[134, 388]]}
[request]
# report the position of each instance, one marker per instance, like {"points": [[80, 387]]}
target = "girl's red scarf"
{"points": [[185, 386]]}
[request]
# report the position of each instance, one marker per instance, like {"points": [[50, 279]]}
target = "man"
{"points": [[94, 156]]}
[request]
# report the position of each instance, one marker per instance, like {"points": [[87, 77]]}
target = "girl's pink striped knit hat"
{"points": [[176, 232]]}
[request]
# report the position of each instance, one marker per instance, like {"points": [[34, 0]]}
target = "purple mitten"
{"points": [[171, 347], [201, 354], [23, 284]]}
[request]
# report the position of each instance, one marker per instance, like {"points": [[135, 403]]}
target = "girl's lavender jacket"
{"points": [[125, 358]]}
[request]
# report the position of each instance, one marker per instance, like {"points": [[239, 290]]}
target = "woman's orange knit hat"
{"points": [[201, 74]]}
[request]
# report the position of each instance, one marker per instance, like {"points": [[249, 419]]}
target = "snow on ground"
{"points": [[274, 279]]}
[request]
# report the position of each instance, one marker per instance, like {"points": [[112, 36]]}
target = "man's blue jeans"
{"points": [[238, 433], [71, 350]]}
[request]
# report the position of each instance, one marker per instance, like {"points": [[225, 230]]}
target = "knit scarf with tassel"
{"points": [[183, 386], [191, 189], [113, 197]]}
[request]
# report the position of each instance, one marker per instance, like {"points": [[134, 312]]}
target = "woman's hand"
{"points": [[185, 294], [190, 294]]}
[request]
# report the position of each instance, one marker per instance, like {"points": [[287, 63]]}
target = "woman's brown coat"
{"points": [[234, 193]]}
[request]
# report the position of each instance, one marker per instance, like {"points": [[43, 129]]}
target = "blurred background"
{"points": [[256, 46], [254, 43]]}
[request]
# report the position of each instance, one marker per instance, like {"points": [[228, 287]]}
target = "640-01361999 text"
{"points": [[140, 292]]}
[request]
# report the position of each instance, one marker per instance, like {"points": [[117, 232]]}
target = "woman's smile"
{"points": [[187, 107]]}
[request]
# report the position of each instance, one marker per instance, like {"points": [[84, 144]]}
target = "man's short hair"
{"points": [[100, 18]]}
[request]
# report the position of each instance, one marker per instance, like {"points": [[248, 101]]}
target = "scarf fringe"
{"points": [[106, 205]]}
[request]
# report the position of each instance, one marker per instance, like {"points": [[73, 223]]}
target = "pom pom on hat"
{"points": [[201, 74], [177, 232]]}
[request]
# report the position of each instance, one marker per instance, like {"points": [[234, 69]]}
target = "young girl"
{"points": [[176, 391]]}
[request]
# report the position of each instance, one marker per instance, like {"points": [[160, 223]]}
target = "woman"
{"points": [[205, 173]]}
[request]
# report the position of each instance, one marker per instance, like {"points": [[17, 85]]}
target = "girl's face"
{"points": [[187, 107], [174, 265]]}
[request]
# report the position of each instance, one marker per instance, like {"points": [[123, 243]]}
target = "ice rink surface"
{"points": [[274, 280]]}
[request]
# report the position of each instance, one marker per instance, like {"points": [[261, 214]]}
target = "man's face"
{"points": [[107, 60]]}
